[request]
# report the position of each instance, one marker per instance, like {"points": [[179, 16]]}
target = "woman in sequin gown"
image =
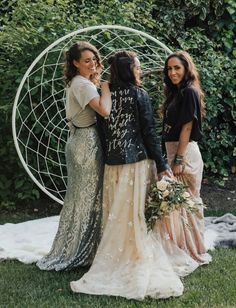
{"points": [[79, 230], [129, 262]]}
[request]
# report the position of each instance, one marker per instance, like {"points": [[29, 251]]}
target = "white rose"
{"points": [[166, 193], [162, 185], [186, 195], [191, 203], [163, 206]]}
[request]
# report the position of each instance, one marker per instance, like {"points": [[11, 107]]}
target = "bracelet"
{"points": [[178, 159]]}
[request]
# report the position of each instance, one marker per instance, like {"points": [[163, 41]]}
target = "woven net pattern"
{"points": [[39, 126]]}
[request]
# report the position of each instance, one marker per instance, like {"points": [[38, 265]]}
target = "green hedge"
{"points": [[205, 28]]}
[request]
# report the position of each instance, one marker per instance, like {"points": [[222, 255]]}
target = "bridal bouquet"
{"points": [[166, 196]]}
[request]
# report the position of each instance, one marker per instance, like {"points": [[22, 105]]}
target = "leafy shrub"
{"points": [[204, 28]]}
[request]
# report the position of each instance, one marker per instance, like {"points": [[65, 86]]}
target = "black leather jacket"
{"points": [[129, 135]]}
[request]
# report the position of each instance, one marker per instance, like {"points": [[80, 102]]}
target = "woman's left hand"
{"points": [[178, 169]]}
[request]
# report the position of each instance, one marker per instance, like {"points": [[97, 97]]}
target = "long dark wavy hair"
{"points": [[74, 53], [121, 69], [191, 78]]}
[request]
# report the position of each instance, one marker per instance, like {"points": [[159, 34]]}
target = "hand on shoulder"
{"points": [[104, 84]]}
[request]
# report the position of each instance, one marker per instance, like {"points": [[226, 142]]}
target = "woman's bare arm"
{"points": [[178, 168], [102, 104]]}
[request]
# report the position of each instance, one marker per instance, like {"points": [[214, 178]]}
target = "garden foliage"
{"points": [[205, 28]]}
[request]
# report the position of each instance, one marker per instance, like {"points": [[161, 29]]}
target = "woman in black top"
{"points": [[182, 117], [129, 261]]}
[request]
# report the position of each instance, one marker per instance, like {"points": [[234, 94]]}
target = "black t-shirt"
{"points": [[185, 107]]}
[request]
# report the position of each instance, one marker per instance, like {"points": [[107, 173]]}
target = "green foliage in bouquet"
{"points": [[164, 197]]}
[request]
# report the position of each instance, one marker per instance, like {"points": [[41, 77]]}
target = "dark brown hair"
{"points": [[191, 78], [74, 53], [121, 69]]}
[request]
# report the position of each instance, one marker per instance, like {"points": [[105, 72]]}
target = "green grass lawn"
{"points": [[24, 285]]}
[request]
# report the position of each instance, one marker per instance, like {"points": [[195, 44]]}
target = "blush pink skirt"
{"points": [[182, 230]]}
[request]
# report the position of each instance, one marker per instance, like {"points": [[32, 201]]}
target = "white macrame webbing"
{"points": [[39, 126]]}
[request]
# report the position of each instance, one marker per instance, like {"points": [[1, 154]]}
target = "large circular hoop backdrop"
{"points": [[39, 126]]}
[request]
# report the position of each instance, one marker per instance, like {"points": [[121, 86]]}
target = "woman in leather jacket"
{"points": [[129, 262], [129, 134]]}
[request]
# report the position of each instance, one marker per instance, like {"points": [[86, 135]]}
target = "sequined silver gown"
{"points": [[79, 228]]}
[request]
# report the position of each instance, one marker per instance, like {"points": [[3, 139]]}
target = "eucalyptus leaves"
{"points": [[164, 197]]}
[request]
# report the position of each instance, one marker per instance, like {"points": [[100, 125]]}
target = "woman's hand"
{"points": [[178, 169], [167, 172], [104, 84]]}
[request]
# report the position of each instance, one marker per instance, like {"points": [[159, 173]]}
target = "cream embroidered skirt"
{"points": [[129, 262]]}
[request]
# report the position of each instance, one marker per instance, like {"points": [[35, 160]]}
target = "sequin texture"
{"points": [[79, 229]]}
